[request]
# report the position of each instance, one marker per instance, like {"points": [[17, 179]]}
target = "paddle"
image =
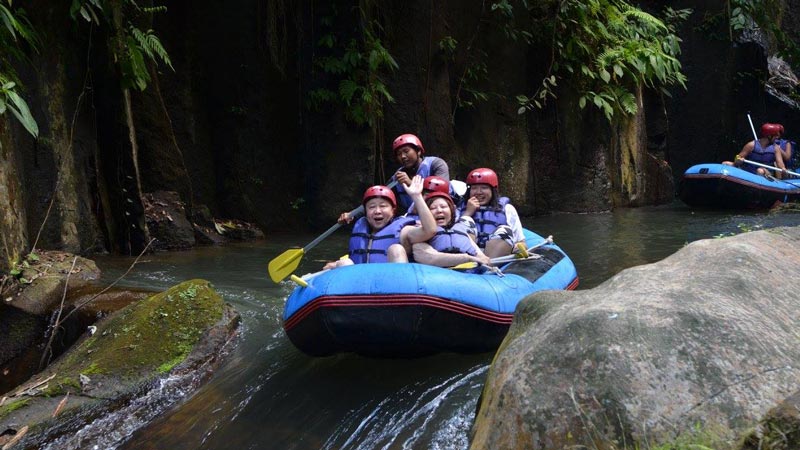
{"points": [[776, 169], [521, 256], [284, 264]]}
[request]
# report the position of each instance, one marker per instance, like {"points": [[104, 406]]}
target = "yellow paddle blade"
{"points": [[465, 266], [522, 252], [284, 264]]}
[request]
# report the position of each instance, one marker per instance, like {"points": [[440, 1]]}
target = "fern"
{"points": [[149, 43]]}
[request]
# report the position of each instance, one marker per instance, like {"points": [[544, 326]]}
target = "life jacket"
{"points": [[760, 155], [487, 219], [453, 240], [366, 247], [404, 201]]}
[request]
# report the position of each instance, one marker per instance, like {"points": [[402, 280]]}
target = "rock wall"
{"points": [[230, 128]]}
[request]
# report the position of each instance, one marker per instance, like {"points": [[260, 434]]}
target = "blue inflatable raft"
{"points": [[721, 186], [406, 310]]}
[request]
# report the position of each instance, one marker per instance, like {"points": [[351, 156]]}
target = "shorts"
{"points": [[505, 233]]}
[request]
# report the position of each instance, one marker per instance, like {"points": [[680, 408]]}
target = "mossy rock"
{"points": [[175, 331]]}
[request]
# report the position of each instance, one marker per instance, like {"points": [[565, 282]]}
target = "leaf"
{"points": [[521, 110], [20, 109], [605, 76], [347, 89]]}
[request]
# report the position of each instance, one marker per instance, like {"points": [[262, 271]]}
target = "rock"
{"points": [[44, 279], [706, 339], [166, 221], [141, 360]]}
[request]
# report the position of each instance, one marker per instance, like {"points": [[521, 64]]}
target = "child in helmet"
{"points": [[454, 241], [380, 236], [408, 150], [498, 225], [765, 150]]}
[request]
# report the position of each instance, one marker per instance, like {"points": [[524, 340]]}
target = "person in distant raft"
{"points": [[765, 150], [408, 150], [496, 219], [786, 149], [379, 235]]}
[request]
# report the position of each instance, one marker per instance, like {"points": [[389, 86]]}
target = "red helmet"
{"points": [[408, 139], [379, 191], [431, 195], [771, 129], [436, 184], [482, 176]]}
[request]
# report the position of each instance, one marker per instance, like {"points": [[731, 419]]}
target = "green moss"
{"points": [[148, 337], [13, 406]]}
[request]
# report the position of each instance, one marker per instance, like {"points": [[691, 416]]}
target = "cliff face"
{"points": [[231, 126]]}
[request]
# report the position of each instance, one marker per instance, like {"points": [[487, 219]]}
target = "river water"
{"points": [[268, 395]]}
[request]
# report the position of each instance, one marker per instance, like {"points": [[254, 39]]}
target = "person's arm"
{"points": [[343, 261], [512, 217], [440, 169], [425, 254], [413, 234], [744, 153], [470, 207]]}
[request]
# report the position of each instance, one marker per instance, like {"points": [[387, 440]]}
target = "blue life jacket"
{"points": [[487, 219], [760, 155], [366, 247], [404, 201], [453, 240]]}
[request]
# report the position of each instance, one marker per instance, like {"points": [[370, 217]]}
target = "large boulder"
{"points": [[137, 362], [705, 340]]}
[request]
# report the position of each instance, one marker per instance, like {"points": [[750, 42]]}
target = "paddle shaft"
{"points": [[755, 136], [770, 167]]}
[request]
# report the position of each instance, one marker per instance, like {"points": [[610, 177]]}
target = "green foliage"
{"points": [[139, 44], [748, 15], [16, 33], [136, 47], [357, 68], [607, 48]]}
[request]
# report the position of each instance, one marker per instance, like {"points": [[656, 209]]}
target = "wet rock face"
{"points": [[705, 338], [166, 219]]}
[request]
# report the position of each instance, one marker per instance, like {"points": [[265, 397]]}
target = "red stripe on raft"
{"points": [[743, 182], [396, 300], [383, 300]]}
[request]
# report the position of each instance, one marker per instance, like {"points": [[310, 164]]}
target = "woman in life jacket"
{"points": [[765, 150], [496, 219], [380, 236], [453, 242]]}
